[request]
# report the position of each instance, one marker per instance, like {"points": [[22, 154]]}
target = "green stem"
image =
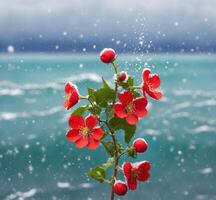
{"points": [[112, 134], [124, 152], [115, 67], [116, 156], [83, 97], [88, 98], [116, 160], [135, 87]]}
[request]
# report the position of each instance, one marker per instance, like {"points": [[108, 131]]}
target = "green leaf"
{"points": [[121, 124], [102, 96], [129, 83], [131, 152], [136, 94], [81, 110], [108, 164], [109, 111], [91, 93], [98, 173], [95, 110], [110, 148], [105, 83]]}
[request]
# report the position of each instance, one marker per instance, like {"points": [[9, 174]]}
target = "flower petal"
{"points": [[72, 99], [155, 94], [127, 167], [142, 113], [154, 81], [143, 177], [76, 122], [91, 121], [67, 103], [93, 144], [82, 142], [140, 106], [145, 74], [143, 167], [68, 87], [73, 135], [97, 133], [125, 97], [132, 119], [132, 183], [119, 110]]}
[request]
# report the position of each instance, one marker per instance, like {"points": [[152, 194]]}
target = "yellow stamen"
{"points": [[85, 132], [129, 108]]}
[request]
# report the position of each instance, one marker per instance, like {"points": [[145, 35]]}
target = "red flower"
{"points": [[122, 76], [84, 133], [107, 55], [130, 108], [134, 172], [150, 83], [120, 188], [140, 145], [72, 95]]}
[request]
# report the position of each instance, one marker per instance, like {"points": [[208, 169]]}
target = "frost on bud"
{"points": [[120, 188], [140, 145], [107, 55]]}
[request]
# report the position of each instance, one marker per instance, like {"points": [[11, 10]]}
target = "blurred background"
{"points": [[43, 44]]}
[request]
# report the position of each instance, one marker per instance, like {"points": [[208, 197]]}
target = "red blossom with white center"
{"points": [[150, 84], [84, 132], [107, 55], [120, 187], [136, 171], [72, 95], [129, 108], [140, 145]]}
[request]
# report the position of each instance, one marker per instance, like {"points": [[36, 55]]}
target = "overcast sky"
{"points": [[163, 20]]}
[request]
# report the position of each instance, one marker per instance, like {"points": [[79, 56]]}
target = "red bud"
{"points": [[122, 76], [140, 145], [107, 55], [120, 188]]}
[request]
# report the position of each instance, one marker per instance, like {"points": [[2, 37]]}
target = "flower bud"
{"points": [[140, 145], [120, 188], [72, 95], [107, 55], [122, 76]]}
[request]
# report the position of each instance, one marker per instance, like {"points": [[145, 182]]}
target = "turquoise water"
{"points": [[37, 162]]}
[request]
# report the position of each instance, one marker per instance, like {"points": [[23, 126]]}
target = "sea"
{"points": [[37, 162]]}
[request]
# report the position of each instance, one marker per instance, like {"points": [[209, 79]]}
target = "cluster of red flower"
{"points": [[85, 132]]}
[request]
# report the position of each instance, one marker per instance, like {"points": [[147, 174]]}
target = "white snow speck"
{"points": [[206, 170], [11, 49]]}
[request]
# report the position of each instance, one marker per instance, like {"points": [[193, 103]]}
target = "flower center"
{"points": [[134, 173], [129, 108], [85, 132], [149, 85]]}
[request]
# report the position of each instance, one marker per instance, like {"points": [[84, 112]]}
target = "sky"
{"points": [[138, 25]]}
